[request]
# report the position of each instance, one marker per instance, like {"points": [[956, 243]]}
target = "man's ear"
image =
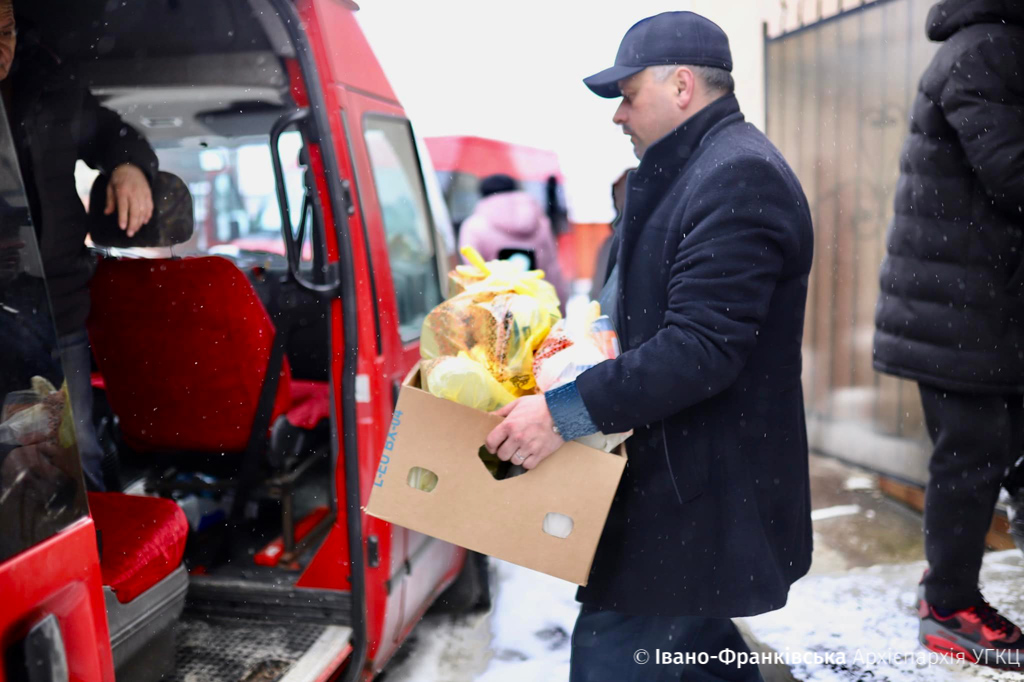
{"points": [[685, 81]]}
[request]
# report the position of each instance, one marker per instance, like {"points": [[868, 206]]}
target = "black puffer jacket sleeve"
{"points": [[983, 100], [106, 141]]}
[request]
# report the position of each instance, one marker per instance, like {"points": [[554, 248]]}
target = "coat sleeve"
{"points": [[983, 100], [106, 142], [734, 247]]}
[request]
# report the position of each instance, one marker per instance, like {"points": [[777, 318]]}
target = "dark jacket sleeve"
{"points": [[106, 142], [720, 287], [983, 100]]}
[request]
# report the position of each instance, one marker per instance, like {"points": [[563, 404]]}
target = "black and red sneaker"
{"points": [[979, 633]]}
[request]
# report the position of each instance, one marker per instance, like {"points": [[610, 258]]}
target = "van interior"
{"points": [[211, 372]]}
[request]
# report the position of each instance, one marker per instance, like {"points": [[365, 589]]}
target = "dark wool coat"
{"points": [[712, 517]]}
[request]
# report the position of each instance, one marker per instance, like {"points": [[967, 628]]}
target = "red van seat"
{"points": [[183, 347], [311, 403], [143, 540]]}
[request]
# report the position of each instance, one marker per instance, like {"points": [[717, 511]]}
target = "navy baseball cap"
{"points": [[667, 38]]}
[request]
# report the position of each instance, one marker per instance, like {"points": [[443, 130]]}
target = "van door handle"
{"points": [[346, 191], [40, 655]]}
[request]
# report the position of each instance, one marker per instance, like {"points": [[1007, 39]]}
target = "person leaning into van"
{"points": [[950, 314], [56, 121], [712, 517], [506, 217]]}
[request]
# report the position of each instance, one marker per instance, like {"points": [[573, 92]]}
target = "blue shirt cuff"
{"points": [[569, 413]]}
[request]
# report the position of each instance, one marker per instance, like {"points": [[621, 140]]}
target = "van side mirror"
{"points": [[295, 235]]}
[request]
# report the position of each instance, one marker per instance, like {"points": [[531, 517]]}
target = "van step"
{"points": [[227, 650], [220, 597]]}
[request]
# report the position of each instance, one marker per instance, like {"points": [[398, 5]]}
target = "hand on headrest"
{"points": [[172, 221]]}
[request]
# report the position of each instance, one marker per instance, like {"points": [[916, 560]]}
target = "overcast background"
{"points": [[513, 71]]}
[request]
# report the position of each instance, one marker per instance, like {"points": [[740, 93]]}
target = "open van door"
{"points": [[400, 259], [53, 626], [349, 300]]}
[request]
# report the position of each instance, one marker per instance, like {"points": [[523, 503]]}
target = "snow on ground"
{"points": [[443, 648], [525, 638], [871, 613], [868, 613], [533, 619]]}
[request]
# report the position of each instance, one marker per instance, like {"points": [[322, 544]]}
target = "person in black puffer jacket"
{"points": [[951, 311]]}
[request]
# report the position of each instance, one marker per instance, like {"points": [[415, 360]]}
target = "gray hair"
{"points": [[715, 79]]}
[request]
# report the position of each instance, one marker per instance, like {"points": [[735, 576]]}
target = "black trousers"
{"points": [[977, 438], [609, 646]]}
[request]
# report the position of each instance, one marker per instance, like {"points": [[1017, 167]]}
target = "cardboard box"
{"points": [[469, 507]]}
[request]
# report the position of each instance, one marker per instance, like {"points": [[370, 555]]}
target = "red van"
{"points": [[246, 367], [462, 161]]}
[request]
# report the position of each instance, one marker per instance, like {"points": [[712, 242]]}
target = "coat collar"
{"points": [[662, 164], [667, 159], [667, 156]]}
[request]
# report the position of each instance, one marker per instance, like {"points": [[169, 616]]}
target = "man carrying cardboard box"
{"points": [[707, 286]]}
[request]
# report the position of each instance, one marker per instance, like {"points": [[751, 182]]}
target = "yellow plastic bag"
{"points": [[502, 274], [497, 322], [464, 381]]}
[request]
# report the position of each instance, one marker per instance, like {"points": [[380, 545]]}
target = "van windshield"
{"points": [[233, 192]]}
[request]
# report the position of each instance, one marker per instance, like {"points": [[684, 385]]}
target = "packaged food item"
{"points": [[502, 336], [583, 339], [497, 321], [577, 343], [502, 274], [563, 357], [465, 381], [38, 415], [42, 462], [603, 332]]}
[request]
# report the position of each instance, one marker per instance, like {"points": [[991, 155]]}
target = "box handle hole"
{"points": [[558, 525], [498, 469], [422, 479]]}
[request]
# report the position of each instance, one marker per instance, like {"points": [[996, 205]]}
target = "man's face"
{"points": [[7, 38], [649, 110]]}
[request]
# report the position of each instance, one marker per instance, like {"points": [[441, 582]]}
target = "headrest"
{"points": [[172, 223]]}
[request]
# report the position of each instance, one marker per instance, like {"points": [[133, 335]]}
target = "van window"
{"points": [[461, 192], [41, 485], [233, 193], [407, 223]]}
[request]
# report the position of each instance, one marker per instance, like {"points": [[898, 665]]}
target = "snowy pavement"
{"points": [[529, 630], [859, 600], [870, 615], [866, 613]]}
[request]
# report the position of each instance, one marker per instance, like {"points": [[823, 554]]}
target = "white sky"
{"points": [[513, 71]]}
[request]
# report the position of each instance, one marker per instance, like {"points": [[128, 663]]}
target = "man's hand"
{"points": [[527, 436], [130, 194]]}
